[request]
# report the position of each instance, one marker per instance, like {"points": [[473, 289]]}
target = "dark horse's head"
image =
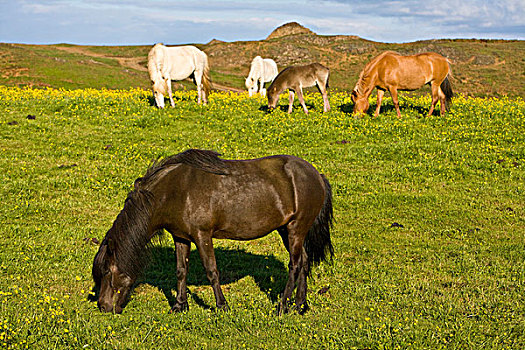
{"points": [[112, 284], [120, 257]]}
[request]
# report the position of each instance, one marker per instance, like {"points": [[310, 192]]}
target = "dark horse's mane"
{"points": [[129, 231], [204, 160]]}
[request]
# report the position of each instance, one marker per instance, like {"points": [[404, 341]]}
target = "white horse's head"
{"points": [[160, 88], [251, 85]]}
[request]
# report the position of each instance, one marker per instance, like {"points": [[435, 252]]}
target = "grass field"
{"points": [[429, 233]]}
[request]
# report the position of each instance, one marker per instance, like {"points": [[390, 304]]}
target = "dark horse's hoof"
{"points": [[223, 307], [179, 308], [302, 308], [281, 309], [284, 309]]}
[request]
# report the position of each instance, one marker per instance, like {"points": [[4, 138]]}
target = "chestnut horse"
{"points": [[391, 71], [295, 78], [196, 196]]}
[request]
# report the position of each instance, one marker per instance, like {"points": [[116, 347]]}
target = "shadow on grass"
{"points": [[348, 108], [176, 99], [284, 108], [269, 274]]}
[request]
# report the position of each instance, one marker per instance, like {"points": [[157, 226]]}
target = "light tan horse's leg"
{"points": [[326, 103], [393, 92], [170, 94], [301, 99], [380, 94], [435, 97], [291, 95]]}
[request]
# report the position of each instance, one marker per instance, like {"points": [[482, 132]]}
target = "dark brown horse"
{"points": [[295, 78], [391, 71], [197, 196]]}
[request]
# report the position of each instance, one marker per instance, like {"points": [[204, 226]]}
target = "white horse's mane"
{"points": [[177, 63], [261, 71]]}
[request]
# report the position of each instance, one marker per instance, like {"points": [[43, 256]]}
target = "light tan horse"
{"points": [[295, 78], [177, 63], [391, 71]]}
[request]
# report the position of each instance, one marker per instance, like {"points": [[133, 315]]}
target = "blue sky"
{"points": [[128, 22]]}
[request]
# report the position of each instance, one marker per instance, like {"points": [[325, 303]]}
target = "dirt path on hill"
{"points": [[130, 62]]}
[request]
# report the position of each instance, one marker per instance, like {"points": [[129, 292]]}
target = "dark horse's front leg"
{"points": [[183, 253], [205, 247]]}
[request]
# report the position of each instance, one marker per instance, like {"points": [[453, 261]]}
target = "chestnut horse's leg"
{"points": [[183, 254], [301, 99], [442, 102], [380, 94], [205, 246], [435, 97], [291, 97], [393, 92]]}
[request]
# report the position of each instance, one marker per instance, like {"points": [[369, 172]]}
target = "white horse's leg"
{"points": [[260, 85], [170, 94], [263, 90], [198, 82]]}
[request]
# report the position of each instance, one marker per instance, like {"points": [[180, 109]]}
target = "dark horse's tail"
{"points": [[318, 245], [446, 87]]}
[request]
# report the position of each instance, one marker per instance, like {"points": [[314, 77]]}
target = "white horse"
{"points": [[177, 63], [261, 71]]}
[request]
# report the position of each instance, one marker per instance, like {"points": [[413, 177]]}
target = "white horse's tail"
{"points": [[206, 80]]}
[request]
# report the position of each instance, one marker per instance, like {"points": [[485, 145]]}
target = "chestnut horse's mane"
{"points": [[361, 84]]}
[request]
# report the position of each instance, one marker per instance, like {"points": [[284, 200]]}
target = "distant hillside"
{"points": [[480, 67]]}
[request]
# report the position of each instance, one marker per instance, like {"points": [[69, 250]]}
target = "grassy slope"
{"points": [[480, 68], [452, 276]]}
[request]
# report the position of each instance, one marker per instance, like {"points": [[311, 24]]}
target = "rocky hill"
{"points": [[480, 67]]}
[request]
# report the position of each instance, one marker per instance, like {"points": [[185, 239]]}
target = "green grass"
{"points": [[46, 66], [450, 274]]}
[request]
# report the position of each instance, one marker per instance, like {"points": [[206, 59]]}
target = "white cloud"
{"points": [[144, 22]]}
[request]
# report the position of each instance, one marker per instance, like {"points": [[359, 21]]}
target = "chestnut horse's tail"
{"points": [[318, 244], [446, 87]]}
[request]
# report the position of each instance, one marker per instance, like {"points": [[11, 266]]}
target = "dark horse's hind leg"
{"points": [[183, 254], [302, 286], [297, 271]]}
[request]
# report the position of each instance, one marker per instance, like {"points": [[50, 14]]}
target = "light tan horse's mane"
{"points": [[362, 84]]}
